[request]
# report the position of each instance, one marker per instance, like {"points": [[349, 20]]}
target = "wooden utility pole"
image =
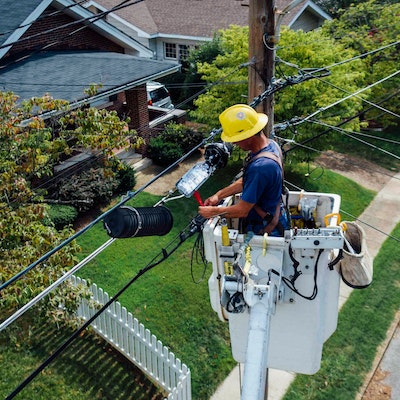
{"points": [[262, 69], [262, 53]]}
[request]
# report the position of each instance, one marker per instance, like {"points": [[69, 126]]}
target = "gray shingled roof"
{"points": [[65, 75], [17, 12], [195, 18]]}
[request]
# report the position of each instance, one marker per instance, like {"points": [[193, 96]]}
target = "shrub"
{"points": [[87, 188], [62, 215], [173, 143], [125, 175]]}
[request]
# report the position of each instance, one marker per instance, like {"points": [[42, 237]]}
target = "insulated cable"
{"points": [[128, 196], [355, 138], [190, 230], [349, 96], [340, 124], [95, 17]]}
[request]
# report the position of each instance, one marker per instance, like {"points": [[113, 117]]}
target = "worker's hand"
{"points": [[212, 200], [208, 211]]}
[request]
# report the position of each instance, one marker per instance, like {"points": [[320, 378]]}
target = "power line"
{"points": [[128, 197], [43, 16], [338, 125], [333, 156], [377, 137], [349, 96], [344, 90], [355, 138]]}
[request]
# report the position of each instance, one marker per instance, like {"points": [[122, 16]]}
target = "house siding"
{"points": [[307, 22]]}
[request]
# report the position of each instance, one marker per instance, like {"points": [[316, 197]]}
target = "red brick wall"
{"points": [[84, 39], [136, 106]]}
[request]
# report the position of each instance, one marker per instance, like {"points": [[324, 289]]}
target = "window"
{"points": [[176, 52], [183, 52], [170, 50]]}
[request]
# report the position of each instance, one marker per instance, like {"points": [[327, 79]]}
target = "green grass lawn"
{"points": [[177, 310]]}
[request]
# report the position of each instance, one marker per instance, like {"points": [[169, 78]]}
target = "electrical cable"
{"points": [[129, 196], [44, 16], [376, 137], [198, 255], [96, 17], [333, 156], [349, 96], [190, 229], [338, 125], [345, 91], [290, 283], [346, 133]]}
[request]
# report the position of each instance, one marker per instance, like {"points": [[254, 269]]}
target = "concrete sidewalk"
{"points": [[378, 220]]}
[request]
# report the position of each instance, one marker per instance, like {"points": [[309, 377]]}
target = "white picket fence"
{"points": [[124, 332]]}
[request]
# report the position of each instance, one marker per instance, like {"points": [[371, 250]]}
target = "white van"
{"points": [[158, 95]]}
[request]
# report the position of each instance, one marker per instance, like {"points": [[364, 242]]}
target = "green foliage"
{"points": [[366, 27], [30, 147], [173, 143], [229, 81], [62, 215], [125, 175], [90, 187], [302, 50]]}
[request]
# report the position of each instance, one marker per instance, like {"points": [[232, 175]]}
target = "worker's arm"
{"points": [[234, 188], [239, 210]]}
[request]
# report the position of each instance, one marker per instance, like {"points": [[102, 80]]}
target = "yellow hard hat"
{"points": [[240, 122]]}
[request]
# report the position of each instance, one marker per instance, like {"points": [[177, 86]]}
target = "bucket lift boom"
{"points": [[279, 295]]}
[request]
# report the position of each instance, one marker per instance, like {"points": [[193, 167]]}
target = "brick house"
{"points": [[59, 47]]}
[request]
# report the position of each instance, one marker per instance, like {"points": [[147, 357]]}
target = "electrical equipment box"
{"points": [[292, 277]]}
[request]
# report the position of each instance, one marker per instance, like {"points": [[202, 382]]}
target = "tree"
{"points": [[297, 50], [30, 146], [366, 27], [228, 80], [336, 7]]}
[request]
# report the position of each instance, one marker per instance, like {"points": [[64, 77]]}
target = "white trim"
{"points": [[140, 32], [25, 25], [317, 10], [108, 30], [181, 37]]}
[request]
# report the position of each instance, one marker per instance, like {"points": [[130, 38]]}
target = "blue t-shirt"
{"points": [[262, 182]]}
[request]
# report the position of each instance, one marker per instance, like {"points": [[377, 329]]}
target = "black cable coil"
{"points": [[126, 222]]}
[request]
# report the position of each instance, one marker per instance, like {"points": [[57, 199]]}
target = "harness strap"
{"points": [[263, 214]]}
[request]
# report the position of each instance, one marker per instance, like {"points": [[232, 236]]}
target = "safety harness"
{"points": [[272, 220]]}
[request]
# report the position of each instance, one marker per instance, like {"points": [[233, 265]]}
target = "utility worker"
{"points": [[261, 185]]}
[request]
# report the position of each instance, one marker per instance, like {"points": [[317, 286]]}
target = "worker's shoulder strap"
{"points": [[268, 154]]}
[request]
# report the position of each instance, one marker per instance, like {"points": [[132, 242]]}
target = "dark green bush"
{"points": [[173, 143], [125, 175], [62, 215], [84, 190]]}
